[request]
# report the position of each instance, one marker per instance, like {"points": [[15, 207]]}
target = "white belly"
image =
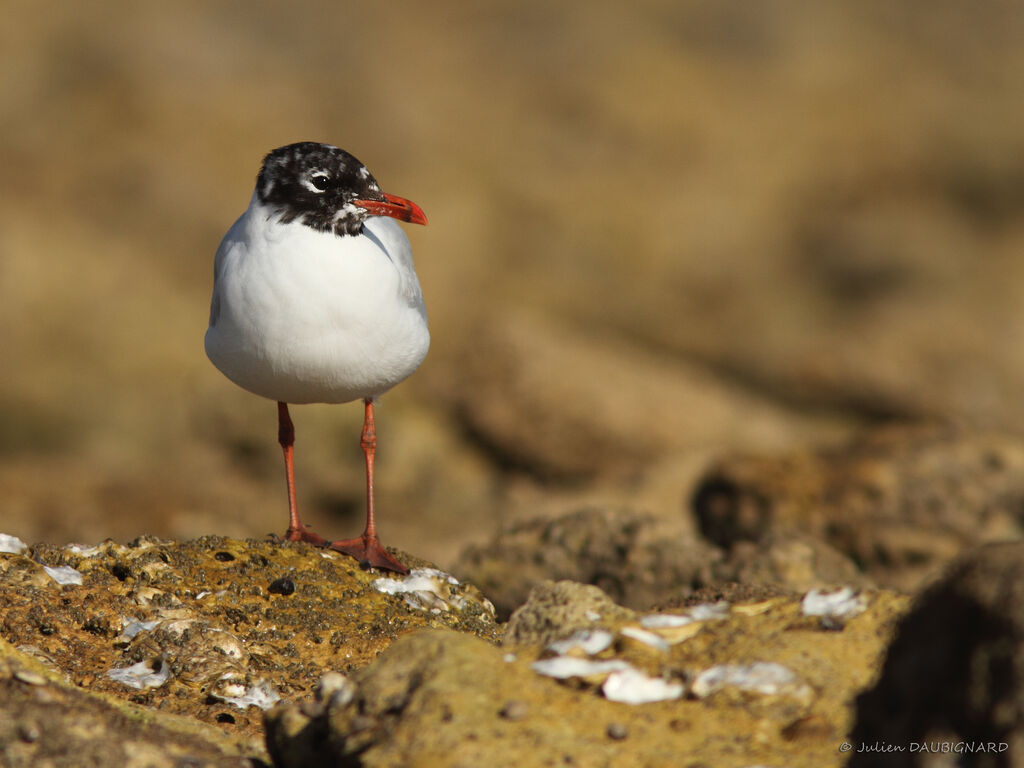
{"points": [[307, 317]]}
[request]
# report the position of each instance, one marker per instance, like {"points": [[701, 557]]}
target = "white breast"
{"points": [[305, 317]]}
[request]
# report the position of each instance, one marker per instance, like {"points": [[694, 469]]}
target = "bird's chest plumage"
{"points": [[305, 316]]}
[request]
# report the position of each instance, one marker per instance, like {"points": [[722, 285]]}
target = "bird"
{"points": [[316, 300]]}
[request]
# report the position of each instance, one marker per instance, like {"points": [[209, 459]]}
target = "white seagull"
{"points": [[315, 300]]}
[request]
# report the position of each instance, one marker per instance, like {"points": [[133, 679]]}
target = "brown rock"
{"points": [[193, 628], [900, 502], [555, 610], [636, 558], [766, 685], [560, 404], [640, 560], [788, 560], [44, 721]]}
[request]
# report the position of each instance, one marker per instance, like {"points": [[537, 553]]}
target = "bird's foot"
{"points": [[299, 534], [369, 552]]}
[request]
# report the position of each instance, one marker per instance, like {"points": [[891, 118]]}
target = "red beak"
{"points": [[396, 207]]}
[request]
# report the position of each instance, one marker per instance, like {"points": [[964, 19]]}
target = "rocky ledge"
{"points": [[224, 652], [214, 630]]}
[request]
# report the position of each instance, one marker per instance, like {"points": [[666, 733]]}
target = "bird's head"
{"points": [[328, 189]]}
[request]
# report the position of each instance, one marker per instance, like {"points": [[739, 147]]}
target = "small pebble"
{"points": [[513, 709], [362, 723], [282, 586], [28, 732], [617, 731], [224, 557]]}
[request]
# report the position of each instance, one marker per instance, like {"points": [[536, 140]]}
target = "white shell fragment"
{"points": [[133, 627], [11, 545], [262, 695], [835, 608], [335, 690], [145, 674], [764, 677], [29, 677], [589, 641], [645, 637], [631, 686], [63, 574], [83, 551], [426, 589], [702, 612], [564, 667], [665, 621], [708, 611]]}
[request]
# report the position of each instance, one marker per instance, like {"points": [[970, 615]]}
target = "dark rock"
{"points": [[282, 586], [955, 671]]}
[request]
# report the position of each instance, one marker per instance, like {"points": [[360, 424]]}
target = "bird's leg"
{"points": [[286, 437], [367, 548]]}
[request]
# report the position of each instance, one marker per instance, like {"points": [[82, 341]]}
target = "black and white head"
{"points": [[327, 189]]}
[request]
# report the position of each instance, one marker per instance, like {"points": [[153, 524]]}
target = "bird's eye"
{"points": [[320, 181]]}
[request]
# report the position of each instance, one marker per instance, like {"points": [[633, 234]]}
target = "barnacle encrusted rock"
{"points": [[46, 721], [194, 628]]}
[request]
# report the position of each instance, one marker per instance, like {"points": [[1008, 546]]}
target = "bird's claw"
{"points": [[369, 552]]}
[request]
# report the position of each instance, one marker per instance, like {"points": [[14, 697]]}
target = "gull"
{"points": [[316, 300]]}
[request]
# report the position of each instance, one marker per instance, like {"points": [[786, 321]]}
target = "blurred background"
{"points": [[660, 233]]}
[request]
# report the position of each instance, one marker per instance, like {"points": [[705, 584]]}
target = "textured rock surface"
{"points": [[955, 670], [746, 684], [900, 502], [642, 560], [217, 629], [557, 609], [638, 559], [45, 721]]}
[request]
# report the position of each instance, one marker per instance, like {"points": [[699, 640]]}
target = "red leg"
{"points": [[367, 548], [286, 437]]}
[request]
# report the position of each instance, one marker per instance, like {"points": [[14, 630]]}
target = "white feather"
{"points": [[303, 316]]}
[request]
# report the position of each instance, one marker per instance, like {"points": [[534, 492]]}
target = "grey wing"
{"points": [[393, 241], [218, 268], [215, 298]]}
